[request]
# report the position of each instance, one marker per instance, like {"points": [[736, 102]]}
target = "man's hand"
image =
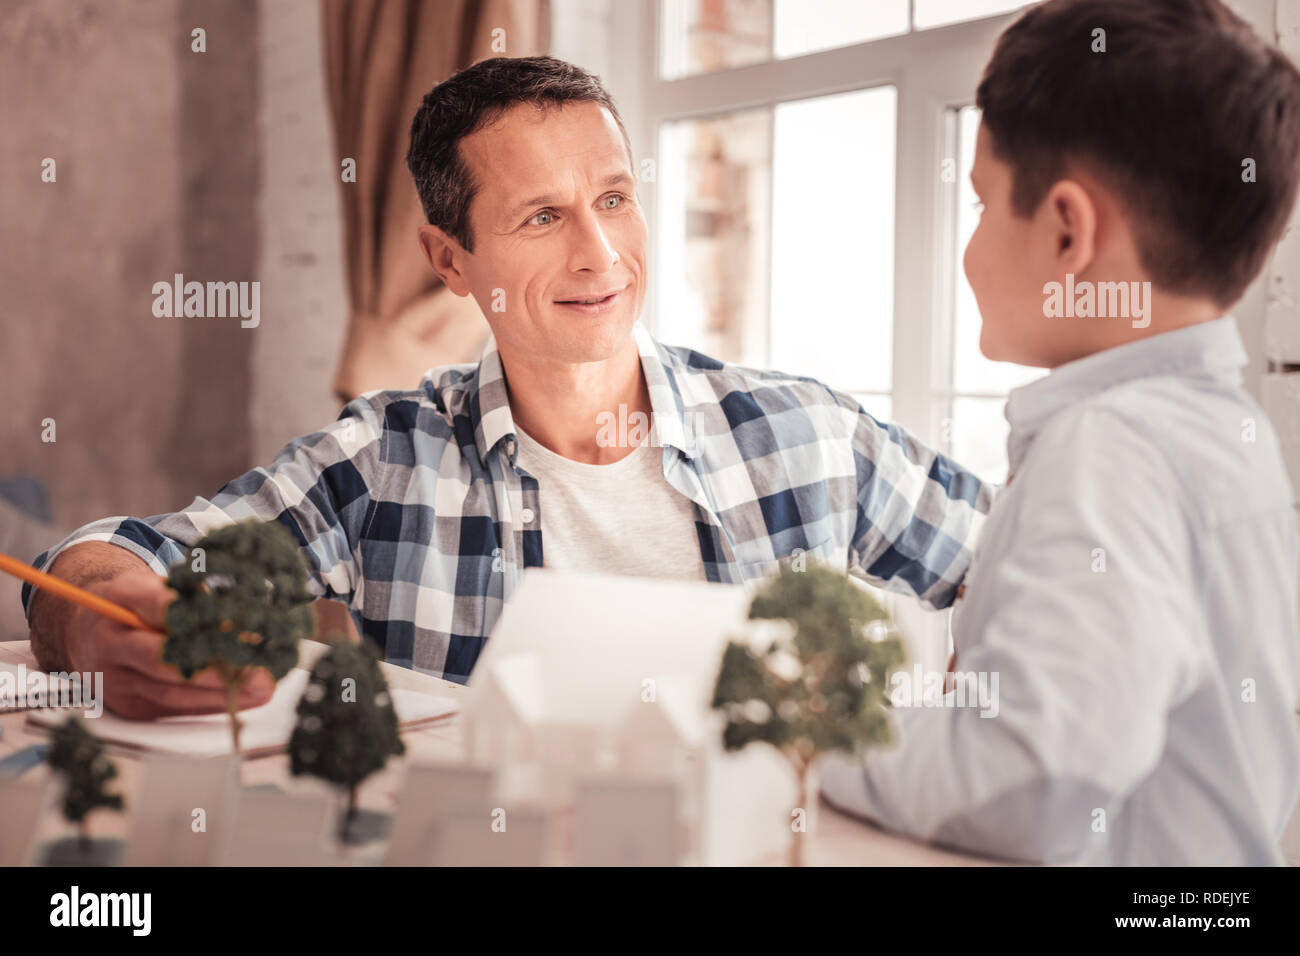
{"points": [[137, 683]]}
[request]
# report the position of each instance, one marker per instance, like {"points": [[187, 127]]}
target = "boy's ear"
{"points": [[447, 256], [1072, 219]]}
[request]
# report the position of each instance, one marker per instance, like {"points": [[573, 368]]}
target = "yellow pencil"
{"points": [[70, 592]]}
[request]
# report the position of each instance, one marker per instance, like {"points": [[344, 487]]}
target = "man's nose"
{"points": [[591, 250]]}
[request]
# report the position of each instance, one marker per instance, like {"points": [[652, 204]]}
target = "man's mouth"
{"points": [[593, 304]]}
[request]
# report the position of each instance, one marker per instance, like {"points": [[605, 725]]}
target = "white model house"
{"points": [[593, 694]]}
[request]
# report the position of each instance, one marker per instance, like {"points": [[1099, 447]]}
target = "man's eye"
{"points": [[543, 218], [613, 198]]}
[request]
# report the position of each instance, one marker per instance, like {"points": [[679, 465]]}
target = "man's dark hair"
{"points": [[1183, 95], [471, 99]]}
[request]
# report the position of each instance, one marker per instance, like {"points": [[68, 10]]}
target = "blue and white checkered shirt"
{"points": [[411, 510]]}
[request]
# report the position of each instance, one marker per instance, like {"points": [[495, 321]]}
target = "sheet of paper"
{"points": [[266, 729]]}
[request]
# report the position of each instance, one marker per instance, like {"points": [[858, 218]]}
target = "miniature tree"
{"points": [[79, 756], [347, 727], [242, 603], [823, 687]]}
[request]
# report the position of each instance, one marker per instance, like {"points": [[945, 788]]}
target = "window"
{"points": [[803, 217], [773, 221], [801, 212], [967, 420]]}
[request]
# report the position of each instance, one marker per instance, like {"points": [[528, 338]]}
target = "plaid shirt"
{"points": [[411, 510]]}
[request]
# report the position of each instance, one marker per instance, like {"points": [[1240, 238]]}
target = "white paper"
{"points": [[266, 729]]}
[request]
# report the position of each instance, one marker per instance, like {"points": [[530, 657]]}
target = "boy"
{"points": [[1135, 585]]}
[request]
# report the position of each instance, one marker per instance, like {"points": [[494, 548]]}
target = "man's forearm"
{"points": [[49, 616]]}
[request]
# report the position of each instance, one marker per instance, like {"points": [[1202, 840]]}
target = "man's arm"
{"points": [[919, 514], [318, 487], [85, 564], [1083, 664]]}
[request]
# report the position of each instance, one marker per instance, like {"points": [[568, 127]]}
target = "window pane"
{"points": [[937, 13], [833, 239], [700, 36], [714, 187], [971, 371], [975, 435], [806, 26]]}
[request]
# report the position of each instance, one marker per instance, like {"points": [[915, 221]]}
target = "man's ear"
{"points": [[1072, 223], [447, 256]]}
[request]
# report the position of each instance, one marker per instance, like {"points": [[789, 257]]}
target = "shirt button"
{"points": [[527, 516]]}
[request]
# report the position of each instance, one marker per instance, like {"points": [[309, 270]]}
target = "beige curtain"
{"points": [[382, 56]]}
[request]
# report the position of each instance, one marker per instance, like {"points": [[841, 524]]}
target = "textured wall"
{"points": [[304, 302], [157, 168]]}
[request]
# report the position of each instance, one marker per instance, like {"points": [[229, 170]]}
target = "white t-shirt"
{"points": [[622, 518]]}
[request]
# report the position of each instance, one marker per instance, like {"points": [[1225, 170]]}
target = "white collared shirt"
{"points": [[1133, 602]]}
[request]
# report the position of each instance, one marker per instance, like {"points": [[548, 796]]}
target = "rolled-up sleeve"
{"points": [[919, 514]]}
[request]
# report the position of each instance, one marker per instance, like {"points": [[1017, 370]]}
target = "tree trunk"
{"points": [[349, 817], [83, 837], [233, 679]]}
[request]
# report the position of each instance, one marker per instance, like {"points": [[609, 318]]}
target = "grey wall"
{"points": [[157, 165]]}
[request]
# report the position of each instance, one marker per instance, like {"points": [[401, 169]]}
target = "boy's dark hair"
{"points": [[1183, 94], [472, 99]]}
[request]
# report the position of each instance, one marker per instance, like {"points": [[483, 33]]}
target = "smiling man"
{"points": [[421, 508]]}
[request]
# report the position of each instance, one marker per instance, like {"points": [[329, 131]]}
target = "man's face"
{"points": [[1007, 261], [558, 266]]}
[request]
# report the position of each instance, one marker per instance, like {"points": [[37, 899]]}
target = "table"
{"points": [[838, 840]]}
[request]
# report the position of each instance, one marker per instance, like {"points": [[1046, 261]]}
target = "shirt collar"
{"points": [[1211, 350], [670, 425]]}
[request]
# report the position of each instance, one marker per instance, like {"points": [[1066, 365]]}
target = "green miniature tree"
{"points": [[347, 727], [242, 603], [79, 756], [822, 688]]}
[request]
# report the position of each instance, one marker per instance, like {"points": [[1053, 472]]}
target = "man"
{"points": [[420, 508]]}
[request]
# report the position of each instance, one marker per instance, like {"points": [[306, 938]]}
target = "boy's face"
{"points": [[1008, 261]]}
